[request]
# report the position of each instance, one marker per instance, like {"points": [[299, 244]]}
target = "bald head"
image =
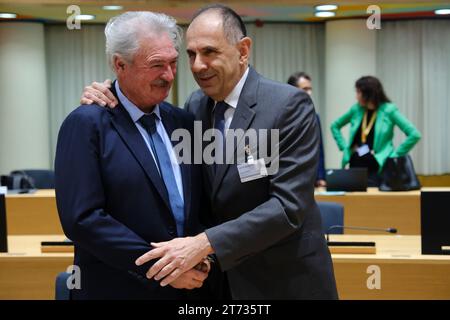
{"points": [[218, 55], [232, 24]]}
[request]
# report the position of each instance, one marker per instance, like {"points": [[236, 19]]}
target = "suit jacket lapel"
{"points": [[204, 114], [242, 119], [169, 123], [132, 138]]}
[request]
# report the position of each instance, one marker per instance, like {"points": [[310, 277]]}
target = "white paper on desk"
{"points": [[331, 193], [3, 190]]}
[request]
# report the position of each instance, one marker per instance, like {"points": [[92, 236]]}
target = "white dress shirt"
{"points": [[232, 100]]}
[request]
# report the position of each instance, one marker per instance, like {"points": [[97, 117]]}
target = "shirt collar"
{"points": [[132, 109], [233, 98]]}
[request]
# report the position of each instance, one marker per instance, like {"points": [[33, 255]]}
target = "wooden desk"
{"points": [[25, 273], [378, 209], [405, 272], [32, 214], [36, 213]]}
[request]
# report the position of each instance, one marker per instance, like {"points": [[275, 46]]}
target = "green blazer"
{"points": [[388, 116]]}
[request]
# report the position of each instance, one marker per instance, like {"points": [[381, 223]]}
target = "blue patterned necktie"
{"points": [[164, 164], [219, 124]]}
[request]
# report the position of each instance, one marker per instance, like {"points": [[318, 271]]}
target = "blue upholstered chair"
{"points": [[61, 290], [332, 215]]}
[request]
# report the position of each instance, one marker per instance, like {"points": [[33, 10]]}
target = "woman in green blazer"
{"points": [[372, 120]]}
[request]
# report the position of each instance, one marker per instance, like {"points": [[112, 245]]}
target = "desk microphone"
{"points": [[389, 230]]}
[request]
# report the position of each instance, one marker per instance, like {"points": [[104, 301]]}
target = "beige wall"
{"points": [[349, 54], [24, 132]]}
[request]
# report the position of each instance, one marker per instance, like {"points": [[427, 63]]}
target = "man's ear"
{"points": [[119, 63], [245, 47]]}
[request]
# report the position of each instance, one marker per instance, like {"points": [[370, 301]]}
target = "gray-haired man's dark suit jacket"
{"points": [[267, 232]]}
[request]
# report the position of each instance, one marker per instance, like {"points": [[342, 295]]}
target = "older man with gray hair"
{"points": [[119, 186]]}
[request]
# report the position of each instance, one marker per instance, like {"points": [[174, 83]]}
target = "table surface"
{"points": [[377, 209], [390, 247], [30, 246], [26, 273], [370, 192], [393, 247], [40, 193], [318, 191], [36, 213], [32, 213]]}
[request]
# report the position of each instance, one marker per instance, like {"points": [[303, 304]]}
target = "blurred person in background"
{"points": [[372, 120], [302, 81]]}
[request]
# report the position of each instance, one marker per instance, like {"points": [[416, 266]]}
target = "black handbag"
{"points": [[398, 174]]}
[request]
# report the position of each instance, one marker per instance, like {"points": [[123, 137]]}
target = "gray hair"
{"points": [[124, 31]]}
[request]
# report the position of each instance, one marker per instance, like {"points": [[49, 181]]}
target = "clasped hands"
{"points": [[181, 262]]}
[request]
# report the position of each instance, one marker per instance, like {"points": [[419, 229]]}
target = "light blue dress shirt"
{"points": [[136, 114]]}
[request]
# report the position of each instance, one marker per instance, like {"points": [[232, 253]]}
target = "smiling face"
{"points": [[146, 81], [216, 64]]}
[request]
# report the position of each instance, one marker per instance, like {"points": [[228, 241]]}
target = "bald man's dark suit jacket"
{"points": [[267, 235]]}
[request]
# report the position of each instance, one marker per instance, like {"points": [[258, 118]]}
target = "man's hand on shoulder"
{"points": [[100, 94]]}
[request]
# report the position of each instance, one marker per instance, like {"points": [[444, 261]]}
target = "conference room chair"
{"points": [[41, 178], [61, 290], [332, 214]]}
